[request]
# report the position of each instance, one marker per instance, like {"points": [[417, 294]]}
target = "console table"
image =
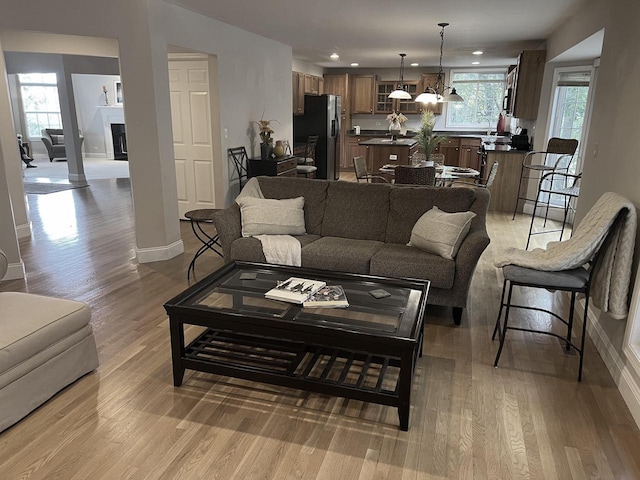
{"points": [[279, 166]]}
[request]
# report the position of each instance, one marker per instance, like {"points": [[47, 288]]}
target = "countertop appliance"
{"points": [[321, 117]]}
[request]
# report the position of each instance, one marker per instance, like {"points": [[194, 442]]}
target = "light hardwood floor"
{"points": [[529, 418]]}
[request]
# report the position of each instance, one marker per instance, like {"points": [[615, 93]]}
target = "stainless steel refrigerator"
{"points": [[321, 117]]}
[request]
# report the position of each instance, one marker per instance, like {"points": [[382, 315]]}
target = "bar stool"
{"points": [[197, 219], [565, 148]]}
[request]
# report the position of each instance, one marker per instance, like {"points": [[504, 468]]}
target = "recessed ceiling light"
{"points": [[415, 64], [475, 63], [478, 52], [334, 56], [354, 64]]}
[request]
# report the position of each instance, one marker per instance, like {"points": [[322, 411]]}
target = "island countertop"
{"points": [[402, 142]]}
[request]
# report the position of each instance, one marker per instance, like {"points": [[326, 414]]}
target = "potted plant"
{"points": [[425, 137], [266, 141]]}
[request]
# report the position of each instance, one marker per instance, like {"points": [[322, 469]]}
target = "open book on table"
{"points": [[329, 296]]}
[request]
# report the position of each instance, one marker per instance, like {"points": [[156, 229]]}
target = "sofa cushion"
{"points": [[249, 249], [402, 261], [265, 216], [441, 232], [408, 204], [356, 210], [49, 321], [340, 254], [313, 191]]}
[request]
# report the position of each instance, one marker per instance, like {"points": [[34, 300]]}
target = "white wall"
{"points": [[89, 95]]}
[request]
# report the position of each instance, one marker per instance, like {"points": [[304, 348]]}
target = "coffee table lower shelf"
{"points": [[333, 371]]}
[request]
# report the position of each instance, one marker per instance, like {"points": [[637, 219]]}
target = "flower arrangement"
{"points": [[425, 138], [394, 117], [265, 131]]}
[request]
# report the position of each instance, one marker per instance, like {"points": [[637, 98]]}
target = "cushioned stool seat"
{"points": [[45, 344]]}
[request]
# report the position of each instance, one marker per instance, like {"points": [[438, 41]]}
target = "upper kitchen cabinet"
{"points": [[384, 104], [429, 80], [339, 85], [297, 85], [301, 84], [362, 88], [524, 96]]}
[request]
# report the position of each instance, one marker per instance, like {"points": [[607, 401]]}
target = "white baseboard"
{"points": [[159, 254], [622, 375], [74, 177], [95, 155], [24, 230], [15, 271]]}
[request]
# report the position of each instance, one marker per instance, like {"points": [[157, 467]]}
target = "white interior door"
{"points": [[192, 145]]}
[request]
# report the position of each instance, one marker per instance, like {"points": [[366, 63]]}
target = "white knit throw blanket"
{"points": [[610, 284], [277, 249]]}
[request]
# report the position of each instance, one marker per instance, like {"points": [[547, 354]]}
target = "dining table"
{"points": [[445, 174]]}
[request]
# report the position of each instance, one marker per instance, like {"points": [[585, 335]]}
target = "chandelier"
{"points": [[435, 93], [400, 91]]}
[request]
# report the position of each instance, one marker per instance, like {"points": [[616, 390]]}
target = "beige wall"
{"points": [[611, 162], [254, 77]]}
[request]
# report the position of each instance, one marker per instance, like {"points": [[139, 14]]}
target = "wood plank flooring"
{"points": [[527, 419]]}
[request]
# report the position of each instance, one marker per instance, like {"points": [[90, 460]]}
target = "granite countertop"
{"points": [[493, 147], [410, 133], [401, 142]]}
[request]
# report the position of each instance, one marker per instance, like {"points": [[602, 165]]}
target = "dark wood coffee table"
{"points": [[366, 352]]}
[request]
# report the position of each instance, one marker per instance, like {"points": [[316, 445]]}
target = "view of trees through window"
{"points": [[39, 93], [483, 93]]}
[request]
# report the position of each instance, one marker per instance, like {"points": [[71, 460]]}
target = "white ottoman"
{"points": [[45, 344]]}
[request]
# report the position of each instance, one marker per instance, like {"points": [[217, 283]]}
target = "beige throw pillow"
{"points": [[440, 232], [264, 216]]}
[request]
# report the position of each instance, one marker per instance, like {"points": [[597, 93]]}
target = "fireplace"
{"points": [[119, 136]]}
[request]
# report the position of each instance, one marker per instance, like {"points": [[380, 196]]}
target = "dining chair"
{"points": [[478, 183], [360, 167], [241, 163], [562, 148], [306, 165], [406, 175]]}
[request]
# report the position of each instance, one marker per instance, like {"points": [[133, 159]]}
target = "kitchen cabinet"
{"points": [[362, 87], [384, 104], [313, 85], [429, 80], [339, 85], [460, 152], [381, 152], [468, 153], [357, 150], [297, 85], [527, 84]]}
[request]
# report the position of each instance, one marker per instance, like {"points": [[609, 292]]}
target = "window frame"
{"points": [[489, 126], [26, 83]]}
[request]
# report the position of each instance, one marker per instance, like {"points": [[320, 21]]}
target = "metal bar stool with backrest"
{"points": [[570, 190], [360, 167], [564, 148], [576, 280], [306, 165], [406, 175], [241, 164]]}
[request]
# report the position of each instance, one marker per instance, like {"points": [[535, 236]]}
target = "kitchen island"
{"points": [[504, 190], [383, 151]]}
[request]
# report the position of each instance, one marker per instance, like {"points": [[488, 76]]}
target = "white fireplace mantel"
{"points": [[110, 114]]}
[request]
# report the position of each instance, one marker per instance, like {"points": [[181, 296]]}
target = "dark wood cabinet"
{"points": [[275, 167], [461, 152], [297, 85], [339, 85], [527, 84], [384, 104], [357, 150]]}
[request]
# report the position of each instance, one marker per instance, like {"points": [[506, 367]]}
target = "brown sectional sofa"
{"points": [[365, 228]]}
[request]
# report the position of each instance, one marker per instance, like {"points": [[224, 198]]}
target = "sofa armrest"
{"points": [[4, 264], [48, 145], [229, 228], [467, 259]]}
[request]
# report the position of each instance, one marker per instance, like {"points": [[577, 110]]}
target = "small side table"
{"points": [[197, 219]]}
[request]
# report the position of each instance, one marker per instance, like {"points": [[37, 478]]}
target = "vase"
{"points": [[394, 129], [265, 151]]}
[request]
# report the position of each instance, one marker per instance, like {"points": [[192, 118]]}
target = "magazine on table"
{"points": [[295, 290], [329, 296]]}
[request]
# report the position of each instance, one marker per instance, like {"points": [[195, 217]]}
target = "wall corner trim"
{"points": [[159, 254]]}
